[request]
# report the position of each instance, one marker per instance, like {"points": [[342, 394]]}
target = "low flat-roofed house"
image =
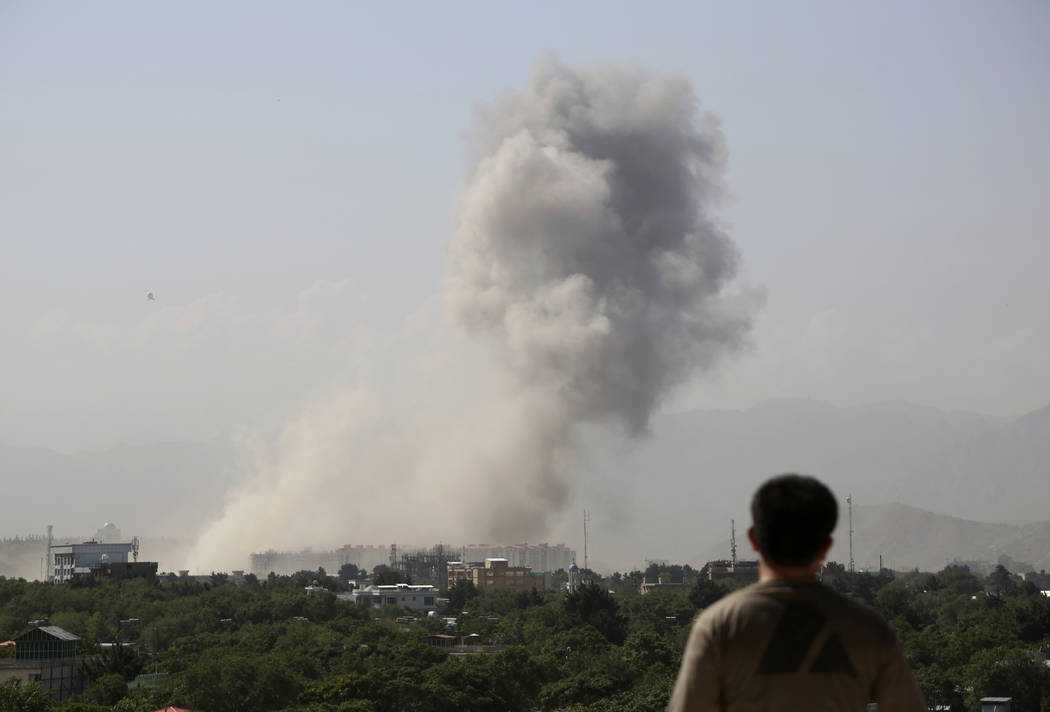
{"points": [[996, 704], [418, 597], [659, 584], [736, 571], [440, 640]]}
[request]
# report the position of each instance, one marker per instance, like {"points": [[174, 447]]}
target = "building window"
{"points": [[428, 600]]}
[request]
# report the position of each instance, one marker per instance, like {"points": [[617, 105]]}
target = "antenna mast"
{"points": [[732, 541], [586, 518], [849, 501]]}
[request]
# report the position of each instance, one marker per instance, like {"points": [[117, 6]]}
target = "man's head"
{"points": [[793, 517]]}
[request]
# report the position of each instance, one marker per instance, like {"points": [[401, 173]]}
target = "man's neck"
{"points": [[776, 572]]}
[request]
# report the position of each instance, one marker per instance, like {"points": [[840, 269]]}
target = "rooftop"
{"points": [[54, 631]]}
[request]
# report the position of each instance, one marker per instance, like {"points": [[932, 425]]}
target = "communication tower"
{"points": [[732, 541], [586, 518]]}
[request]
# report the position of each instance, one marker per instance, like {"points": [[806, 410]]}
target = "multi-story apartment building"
{"points": [[538, 557], [494, 573]]}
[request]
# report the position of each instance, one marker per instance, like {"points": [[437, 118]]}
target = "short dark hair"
{"points": [[793, 516]]}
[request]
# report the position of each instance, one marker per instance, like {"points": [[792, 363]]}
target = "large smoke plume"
{"points": [[585, 246], [584, 241], [585, 250]]}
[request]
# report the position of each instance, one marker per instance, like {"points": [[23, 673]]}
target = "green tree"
{"points": [[959, 579], [1001, 582], [383, 575], [117, 659], [136, 701], [238, 683], [705, 592], [349, 571], [106, 690], [18, 696], [1008, 672], [596, 606], [460, 593]]}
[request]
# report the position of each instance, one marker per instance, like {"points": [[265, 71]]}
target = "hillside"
{"points": [[908, 537], [673, 494]]}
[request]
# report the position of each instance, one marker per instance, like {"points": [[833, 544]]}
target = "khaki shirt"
{"points": [[791, 646]]}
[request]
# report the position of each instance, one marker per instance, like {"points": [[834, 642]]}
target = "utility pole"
{"points": [[586, 518], [849, 501], [47, 572]]}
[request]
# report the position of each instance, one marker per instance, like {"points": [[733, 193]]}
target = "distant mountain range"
{"points": [[894, 530], [670, 495], [673, 495]]}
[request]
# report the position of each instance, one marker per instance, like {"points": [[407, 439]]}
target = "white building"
{"points": [[403, 595]]}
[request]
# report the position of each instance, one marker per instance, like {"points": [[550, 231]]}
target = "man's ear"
{"points": [[751, 538]]}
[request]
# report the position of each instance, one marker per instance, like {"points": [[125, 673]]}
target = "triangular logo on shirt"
{"points": [[796, 631], [833, 658]]}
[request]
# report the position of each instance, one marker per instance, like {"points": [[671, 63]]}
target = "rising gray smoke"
{"points": [[585, 245]]}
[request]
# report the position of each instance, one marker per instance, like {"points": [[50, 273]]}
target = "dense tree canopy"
{"points": [[271, 645]]}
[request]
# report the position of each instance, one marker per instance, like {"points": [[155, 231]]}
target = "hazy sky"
{"points": [[283, 177]]}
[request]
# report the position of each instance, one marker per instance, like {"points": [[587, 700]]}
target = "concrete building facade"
{"points": [[538, 557], [403, 595], [493, 573], [746, 571], [69, 560]]}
